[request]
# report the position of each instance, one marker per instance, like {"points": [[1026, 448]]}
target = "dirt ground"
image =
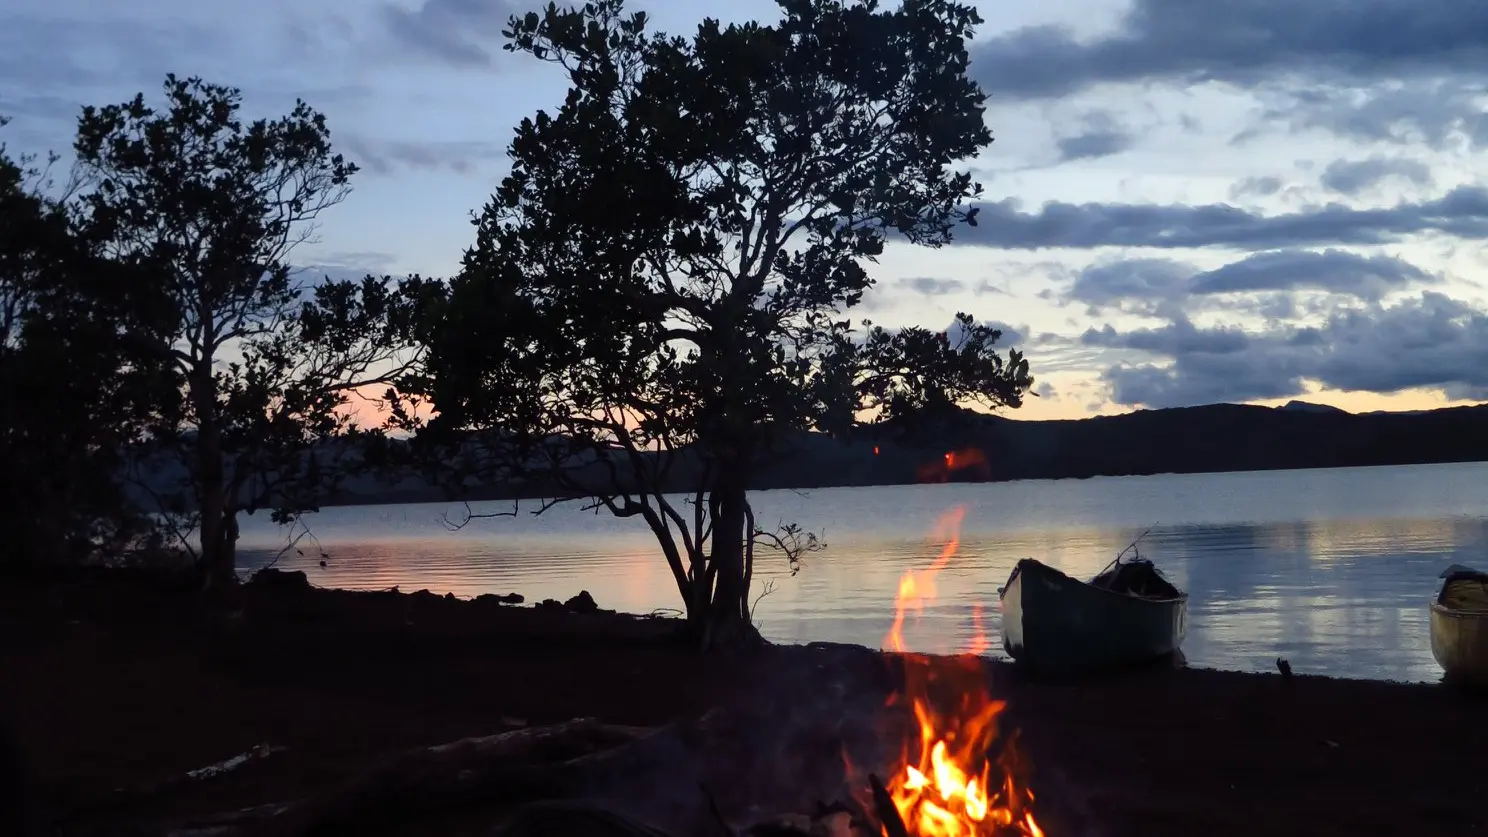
{"points": [[110, 682]]}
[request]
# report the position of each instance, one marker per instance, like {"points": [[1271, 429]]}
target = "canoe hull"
{"points": [[1459, 642], [1052, 622]]}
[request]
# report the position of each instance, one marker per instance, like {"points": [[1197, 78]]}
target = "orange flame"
{"points": [[953, 787], [953, 462]]}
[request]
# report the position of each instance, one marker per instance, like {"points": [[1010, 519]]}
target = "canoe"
{"points": [[1459, 625], [1126, 615]]}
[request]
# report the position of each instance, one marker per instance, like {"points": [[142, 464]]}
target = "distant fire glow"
{"points": [[969, 462]]}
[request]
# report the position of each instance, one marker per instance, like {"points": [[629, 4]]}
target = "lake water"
{"points": [[1329, 568]]}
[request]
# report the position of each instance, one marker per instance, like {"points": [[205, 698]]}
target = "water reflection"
{"points": [[1306, 565]]}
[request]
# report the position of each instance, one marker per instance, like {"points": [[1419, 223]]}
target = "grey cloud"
{"points": [[1434, 112], [1011, 335], [1142, 278], [1463, 213], [1046, 390], [1240, 41], [1335, 271], [1178, 338], [348, 265], [1166, 288], [315, 269], [387, 156], [1350, 177], [1257, 187], [1101, 136], [460, 32], [1432, 342], [931, 286], [1213, 380]]}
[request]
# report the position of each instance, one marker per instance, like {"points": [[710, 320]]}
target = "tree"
{"points": [[656, 292], [72, 375], [205, 210]]}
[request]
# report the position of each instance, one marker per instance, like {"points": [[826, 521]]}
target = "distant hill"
{"points": [[1222, 437], [968, 446]]}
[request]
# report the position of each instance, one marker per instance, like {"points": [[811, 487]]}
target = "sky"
{"points": [[1186, 202]]}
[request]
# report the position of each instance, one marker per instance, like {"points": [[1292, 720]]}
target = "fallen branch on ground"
{"points": [[129, 796], [521, 765]]}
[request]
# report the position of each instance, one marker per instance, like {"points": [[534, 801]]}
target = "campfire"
{"points": [[961, 777]]}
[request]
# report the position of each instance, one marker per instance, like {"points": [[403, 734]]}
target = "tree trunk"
{"points": [[217, 555], [727, 626]]}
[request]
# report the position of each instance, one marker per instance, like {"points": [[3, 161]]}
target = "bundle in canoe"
{"points": [[1459, 625], [1127, 614]]}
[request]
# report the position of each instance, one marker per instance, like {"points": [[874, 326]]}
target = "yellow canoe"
{"points": [[1459, 625]]}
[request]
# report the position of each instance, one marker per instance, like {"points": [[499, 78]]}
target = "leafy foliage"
{"points": [[77, 388], [203, 210], [658, 287]]}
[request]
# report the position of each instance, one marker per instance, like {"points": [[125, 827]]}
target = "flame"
{"points": [[950, 785], [953, 462]]}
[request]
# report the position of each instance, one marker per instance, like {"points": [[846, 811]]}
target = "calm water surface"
{"points": [[1331, 569]]}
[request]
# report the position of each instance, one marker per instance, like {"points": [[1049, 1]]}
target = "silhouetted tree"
{"points": [[206, 209], [76, 388], [659, 282]]}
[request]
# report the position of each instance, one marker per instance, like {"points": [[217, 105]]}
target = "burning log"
{"points": [[883, 805]]}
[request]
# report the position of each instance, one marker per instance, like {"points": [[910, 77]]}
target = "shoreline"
{"points": [[435, 496], [670, 615], [122, 680]]}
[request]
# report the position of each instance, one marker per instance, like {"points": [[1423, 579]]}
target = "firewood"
{"points": [[883, 805]]}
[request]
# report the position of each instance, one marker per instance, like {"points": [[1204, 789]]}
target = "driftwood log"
{"points": [[706, 777], [518, 766], [735, 771]]}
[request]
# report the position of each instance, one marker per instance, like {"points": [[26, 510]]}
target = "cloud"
{"points": [[1261, 187], [1434, 112], [1176, 339], [1463, 213], [1267, 280], [1143, 286], [931, 286], [1350, 177], [340, 266], [1430, 342], [1012, 336], [388, 156], [458, 32], [1101, 136], [1332, 271], [1240, 42]]}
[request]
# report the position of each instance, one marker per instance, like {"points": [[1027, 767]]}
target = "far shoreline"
{"points": [[436, 497]]}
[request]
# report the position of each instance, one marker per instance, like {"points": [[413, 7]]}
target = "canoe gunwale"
{"points": [[1182, 596], [1454, 613]]}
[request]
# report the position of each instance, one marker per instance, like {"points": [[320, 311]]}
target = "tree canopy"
{"points": [[662, 280], [77, 386], [201, 211]]}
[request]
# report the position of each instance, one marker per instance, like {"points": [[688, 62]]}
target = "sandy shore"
{"points": [[115, 683]]}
